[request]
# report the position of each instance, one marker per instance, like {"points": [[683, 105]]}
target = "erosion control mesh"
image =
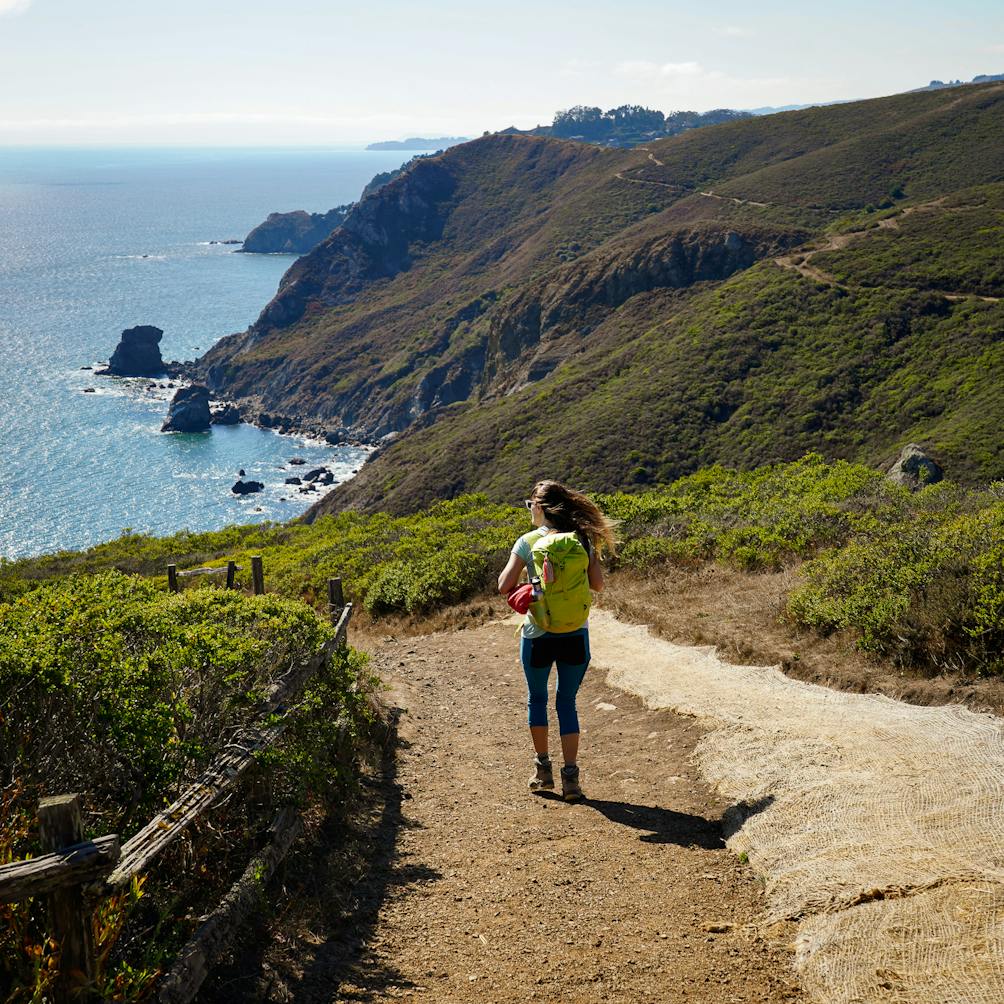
{"points": [[877, 825]]}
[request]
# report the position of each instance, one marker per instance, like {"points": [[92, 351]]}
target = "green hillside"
{"points": [[822, 280]]}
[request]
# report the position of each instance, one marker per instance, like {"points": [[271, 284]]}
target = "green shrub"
{"points": [[117, 689], [925, 586], [408, 563], [752, 519], [122, 690]]}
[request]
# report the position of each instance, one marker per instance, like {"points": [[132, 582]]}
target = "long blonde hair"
{"points": [[566, 510]]}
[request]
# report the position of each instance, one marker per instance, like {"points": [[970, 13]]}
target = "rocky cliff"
{"points": [[462, 279], [298, 232]]}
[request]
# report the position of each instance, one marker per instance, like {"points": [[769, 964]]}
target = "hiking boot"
{"points": [[543, 778], [571, 790]]}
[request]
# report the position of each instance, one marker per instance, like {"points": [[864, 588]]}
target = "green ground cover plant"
{"points": [[122, 692]]}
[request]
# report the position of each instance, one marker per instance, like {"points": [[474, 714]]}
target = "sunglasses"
{"points": [[529, 503]]}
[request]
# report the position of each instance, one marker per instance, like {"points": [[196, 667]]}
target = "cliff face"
{"points": [[299, 232], [373, 242], [469, 275], [528, 339]]}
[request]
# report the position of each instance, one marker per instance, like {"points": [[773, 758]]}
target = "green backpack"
{"points": [[562, 563]]}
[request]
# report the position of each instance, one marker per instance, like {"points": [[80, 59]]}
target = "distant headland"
{"points": [[418, 143]]}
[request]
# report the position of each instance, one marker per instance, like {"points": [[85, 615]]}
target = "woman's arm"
{"points": [[595, 573], [509, 576]]}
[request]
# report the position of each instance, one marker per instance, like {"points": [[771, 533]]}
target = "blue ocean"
{"points": [[95, 241]]}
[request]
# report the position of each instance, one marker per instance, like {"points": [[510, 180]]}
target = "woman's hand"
{"points": [[509, 576]]}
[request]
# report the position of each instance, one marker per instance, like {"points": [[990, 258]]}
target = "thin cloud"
{"points": [[13, 6], [640, 69], [578, 67], [696, 84]]}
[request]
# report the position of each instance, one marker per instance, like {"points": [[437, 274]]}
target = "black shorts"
{"points": [[570, 649]]}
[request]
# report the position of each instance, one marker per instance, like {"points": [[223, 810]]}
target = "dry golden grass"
{"points": [[743, 615]]}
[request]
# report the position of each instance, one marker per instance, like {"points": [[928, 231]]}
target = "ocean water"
{"points": [[95, 241]]}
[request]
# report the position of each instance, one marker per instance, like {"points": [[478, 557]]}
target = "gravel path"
{"points": [[484, 892]]}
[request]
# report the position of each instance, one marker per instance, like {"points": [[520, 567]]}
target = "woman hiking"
{"points": [[561, 555]]}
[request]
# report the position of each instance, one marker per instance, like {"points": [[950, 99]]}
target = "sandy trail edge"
{"points": [[877, 825]]}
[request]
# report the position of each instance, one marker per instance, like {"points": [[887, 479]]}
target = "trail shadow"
{"points": [[335, 886], [343, 968], [665, 826]]}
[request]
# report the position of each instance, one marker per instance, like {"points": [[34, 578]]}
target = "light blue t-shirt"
{"points": [[523, 548]]}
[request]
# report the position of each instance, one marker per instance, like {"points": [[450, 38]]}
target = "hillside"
{"points": [[822, 279]]}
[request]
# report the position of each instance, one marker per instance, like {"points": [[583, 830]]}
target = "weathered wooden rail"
{"points": [[231, 568], [75, 872]]}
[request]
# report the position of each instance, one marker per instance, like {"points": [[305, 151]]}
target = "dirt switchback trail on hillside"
{"points": [[493, 894]]}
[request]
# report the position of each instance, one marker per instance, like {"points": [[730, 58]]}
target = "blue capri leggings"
{"points": [[570, 653]]}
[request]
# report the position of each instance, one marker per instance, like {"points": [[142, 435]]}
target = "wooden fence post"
{"points": [[257, 575], [231, 573], [69, 919], [336, 599], [172, 578]]}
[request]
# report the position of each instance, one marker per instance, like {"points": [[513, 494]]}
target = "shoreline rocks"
{"points": [[189, 411], [247, 487], [226, 414]]}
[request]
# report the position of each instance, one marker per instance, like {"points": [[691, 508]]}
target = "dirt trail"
{"points": [[800, 261], [492, 894], [735, 201]]}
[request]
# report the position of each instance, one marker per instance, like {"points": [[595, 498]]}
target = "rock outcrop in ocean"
{"points": [[246, 487], [293, 233], [137, 353], [189, 411]]}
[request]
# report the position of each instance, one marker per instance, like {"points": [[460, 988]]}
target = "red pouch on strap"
{"points": [[521, 598]]}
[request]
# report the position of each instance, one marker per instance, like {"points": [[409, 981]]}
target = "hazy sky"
{"points": [[251, 72]]}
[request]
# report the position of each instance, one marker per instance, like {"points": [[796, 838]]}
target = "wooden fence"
{"points": [[75, 873]]}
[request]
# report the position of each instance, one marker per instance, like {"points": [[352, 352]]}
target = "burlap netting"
{"points": [[878, 826]]}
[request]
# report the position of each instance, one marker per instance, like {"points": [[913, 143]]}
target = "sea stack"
{"points": [[189, 411], [138, 353]]}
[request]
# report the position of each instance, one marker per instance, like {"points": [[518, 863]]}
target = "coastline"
{"points": [[106, 240], [178, 375]]}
